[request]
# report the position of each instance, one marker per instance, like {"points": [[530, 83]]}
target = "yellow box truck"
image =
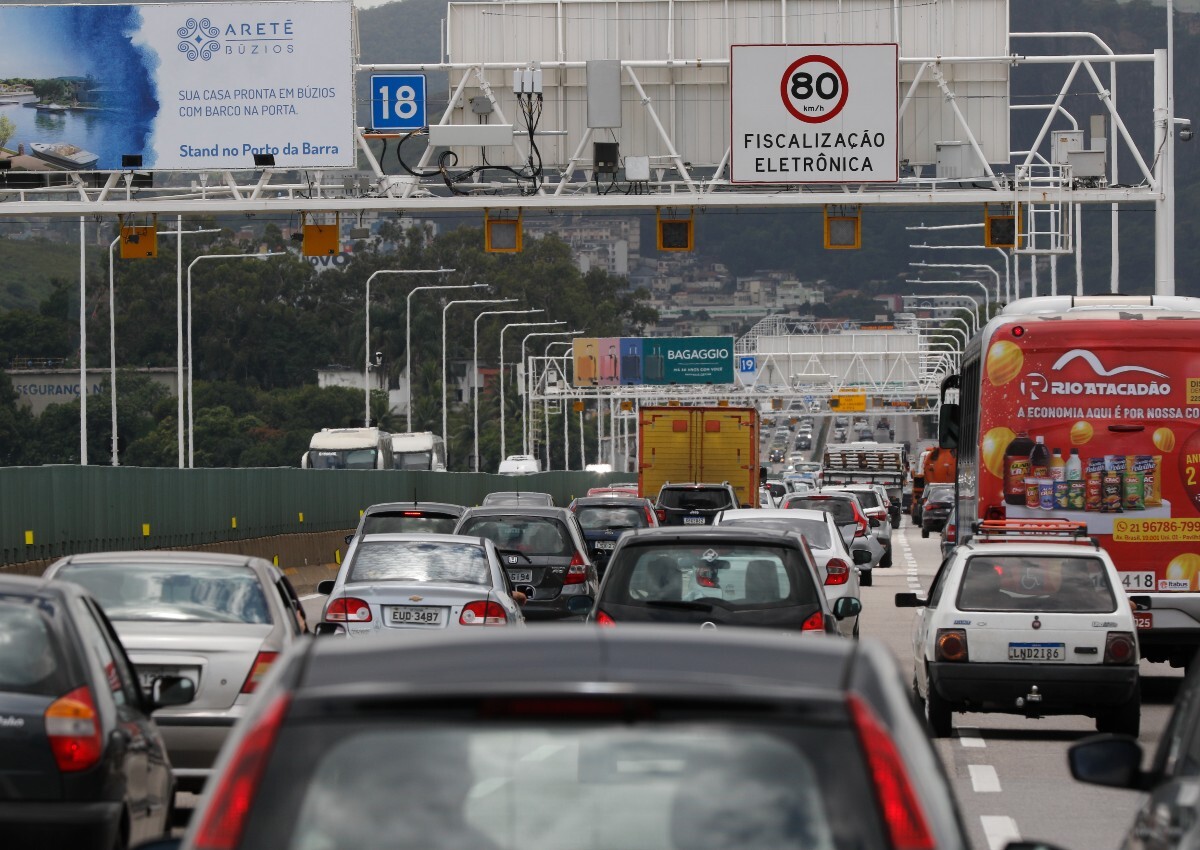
{"points": [[708, 445]]}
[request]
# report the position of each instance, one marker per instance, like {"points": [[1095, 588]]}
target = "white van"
{"points": [[419, 450], [519, 465]]}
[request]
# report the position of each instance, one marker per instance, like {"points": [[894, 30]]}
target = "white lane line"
{"points": [[999, 830], [969, 737], [487, 786], [543, 752], [984, 779], [309, 596]]}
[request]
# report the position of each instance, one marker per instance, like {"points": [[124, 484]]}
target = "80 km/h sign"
{"points": [[815, 113]]}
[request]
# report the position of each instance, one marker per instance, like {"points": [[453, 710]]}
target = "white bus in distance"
{"points": [[348, 448], [418, 450]]}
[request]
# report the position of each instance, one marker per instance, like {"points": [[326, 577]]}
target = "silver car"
{"points": [[396, 582], [219, 620], [874, 501], [837, 568]]}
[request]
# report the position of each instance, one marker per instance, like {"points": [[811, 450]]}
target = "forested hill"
{"points": [[409, 31]]}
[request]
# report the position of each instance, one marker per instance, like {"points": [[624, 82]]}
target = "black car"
{"points": [[605, 518], [776, 455], [543, 551], [82, 764], [935, 510], [694, 504], [648, 738], [717, 577], [804, 440]]}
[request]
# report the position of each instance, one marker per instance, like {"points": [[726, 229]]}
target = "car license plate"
{"points": [[414, 615], [1037, 651], [1138, 581], [606, 544], [693, 520], [524, 576], [1144, 619]]}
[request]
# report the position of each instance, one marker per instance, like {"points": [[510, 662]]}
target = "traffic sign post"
{"points": [[814, 113], [398, 101], [747, 364]]}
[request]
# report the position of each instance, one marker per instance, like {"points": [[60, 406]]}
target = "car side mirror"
{"points": [[847, 606], [860, 556], [1111, 760], [325, 586], [910, 600], [580, 605], [171, 690], [948, 426]]}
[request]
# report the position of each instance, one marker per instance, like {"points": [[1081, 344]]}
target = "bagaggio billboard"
{"points": [[182, 86], [653, 361]]}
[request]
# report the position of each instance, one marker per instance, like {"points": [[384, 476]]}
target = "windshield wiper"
{"points": [[681, 604]]}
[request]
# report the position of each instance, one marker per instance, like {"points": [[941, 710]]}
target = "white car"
{"points": [[851, 521], [1023, 624], [837, 568]]}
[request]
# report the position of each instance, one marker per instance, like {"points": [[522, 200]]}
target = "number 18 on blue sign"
{"points": [[398, 101]]}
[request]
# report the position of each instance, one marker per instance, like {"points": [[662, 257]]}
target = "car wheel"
{"points": [[864, 578], [924, 531], [1123, 719], [937, 714]]}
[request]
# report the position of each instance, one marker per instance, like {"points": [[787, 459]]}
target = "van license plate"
{"points": [[1037, 651]]}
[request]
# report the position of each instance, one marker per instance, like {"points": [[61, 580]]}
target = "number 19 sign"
{"points": [[814, 113]]}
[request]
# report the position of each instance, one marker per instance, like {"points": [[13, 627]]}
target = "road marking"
{"points": [[999, 830], [487, 786], [309, 596], [969, 737], [542, 753], [984, 779]]}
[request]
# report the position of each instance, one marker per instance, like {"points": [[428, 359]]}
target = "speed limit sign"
{"points": [[814, 113]]}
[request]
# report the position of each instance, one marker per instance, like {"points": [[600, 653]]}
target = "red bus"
{"points": [[1088, 409]]}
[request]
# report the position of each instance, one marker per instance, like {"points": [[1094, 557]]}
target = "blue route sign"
{"points": [[747, 363], [398, 101]]}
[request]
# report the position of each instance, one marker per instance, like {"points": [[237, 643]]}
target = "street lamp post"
{"points": [[367, 336], [475, 366], [563, 399], [503, 410], [445, 410], [525, 440], [191, 440], [408, 336], [980, 266], [935, 325], [987, 300], [971, 312]]}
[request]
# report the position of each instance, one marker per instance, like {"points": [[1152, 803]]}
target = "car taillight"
{"points": [[861, 530], [898, 802], [577, 570], [1120, 648], [950, 645], [951, 532], [258, 671], [662, 515], [74, 730], [483, 614], [815, 623], [225, 816], [348, 609], [604, 621], [649, 516], [836, 572]]}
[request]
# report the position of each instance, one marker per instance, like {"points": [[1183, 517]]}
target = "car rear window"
{"points": [[409, 522], [816, 532], [412, 560], [30, 657], [1036, 583], [941, 497], [741, 575], [868, 498], [595, 517], [707, 784], [526, 534], [689, 499], [842, 510], [195, 593]]}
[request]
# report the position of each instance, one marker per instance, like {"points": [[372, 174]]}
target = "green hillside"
{"points": [[27, 266]]}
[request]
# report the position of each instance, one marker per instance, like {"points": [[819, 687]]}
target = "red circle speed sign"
{"points": [[814, 88]]}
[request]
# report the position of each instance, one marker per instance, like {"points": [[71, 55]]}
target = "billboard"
{"points": [[184, 86], [653, 361]]}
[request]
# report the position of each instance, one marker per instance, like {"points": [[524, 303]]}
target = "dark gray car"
{"points": [[542, 550]]}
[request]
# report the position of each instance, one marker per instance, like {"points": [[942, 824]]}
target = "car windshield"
{"points": [[526, 534], [737, 574], [707, 784], [815, 531], [413, 460], [694, 499], [1036, 583], [596, 517], [197, 593], [842, 509], [30, 660], [416, 560], [409, 522], [342, 459]]}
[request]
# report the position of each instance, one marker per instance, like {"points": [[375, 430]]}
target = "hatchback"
{"points": [[851, 520], [605, 518], [656, 739], [82, 764], [405, 518], [716, 577], [419, 581], [543, 552], [694, 504], [218, 620], [1026, 619], [936, 504]]}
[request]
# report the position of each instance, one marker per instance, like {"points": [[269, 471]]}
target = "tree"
{"points": [[7, 129]]}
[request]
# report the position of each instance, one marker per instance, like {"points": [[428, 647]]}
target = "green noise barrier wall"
{"points": [[51, 511]]}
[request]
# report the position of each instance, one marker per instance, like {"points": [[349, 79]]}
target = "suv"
{"points": [[1027, 618], [694, 504], [936, 504]]}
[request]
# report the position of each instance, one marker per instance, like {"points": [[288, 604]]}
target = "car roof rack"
{"points": [[1048, 530]]}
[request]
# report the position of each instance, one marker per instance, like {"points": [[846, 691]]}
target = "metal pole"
{"points": [[972, 312], [83, 447], [179, 330], [112, 347], [503, 409], [963, 266], [987, 304], [445, 406], [408, 338], [1164, 172], [475, 366], [527, 383]]}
